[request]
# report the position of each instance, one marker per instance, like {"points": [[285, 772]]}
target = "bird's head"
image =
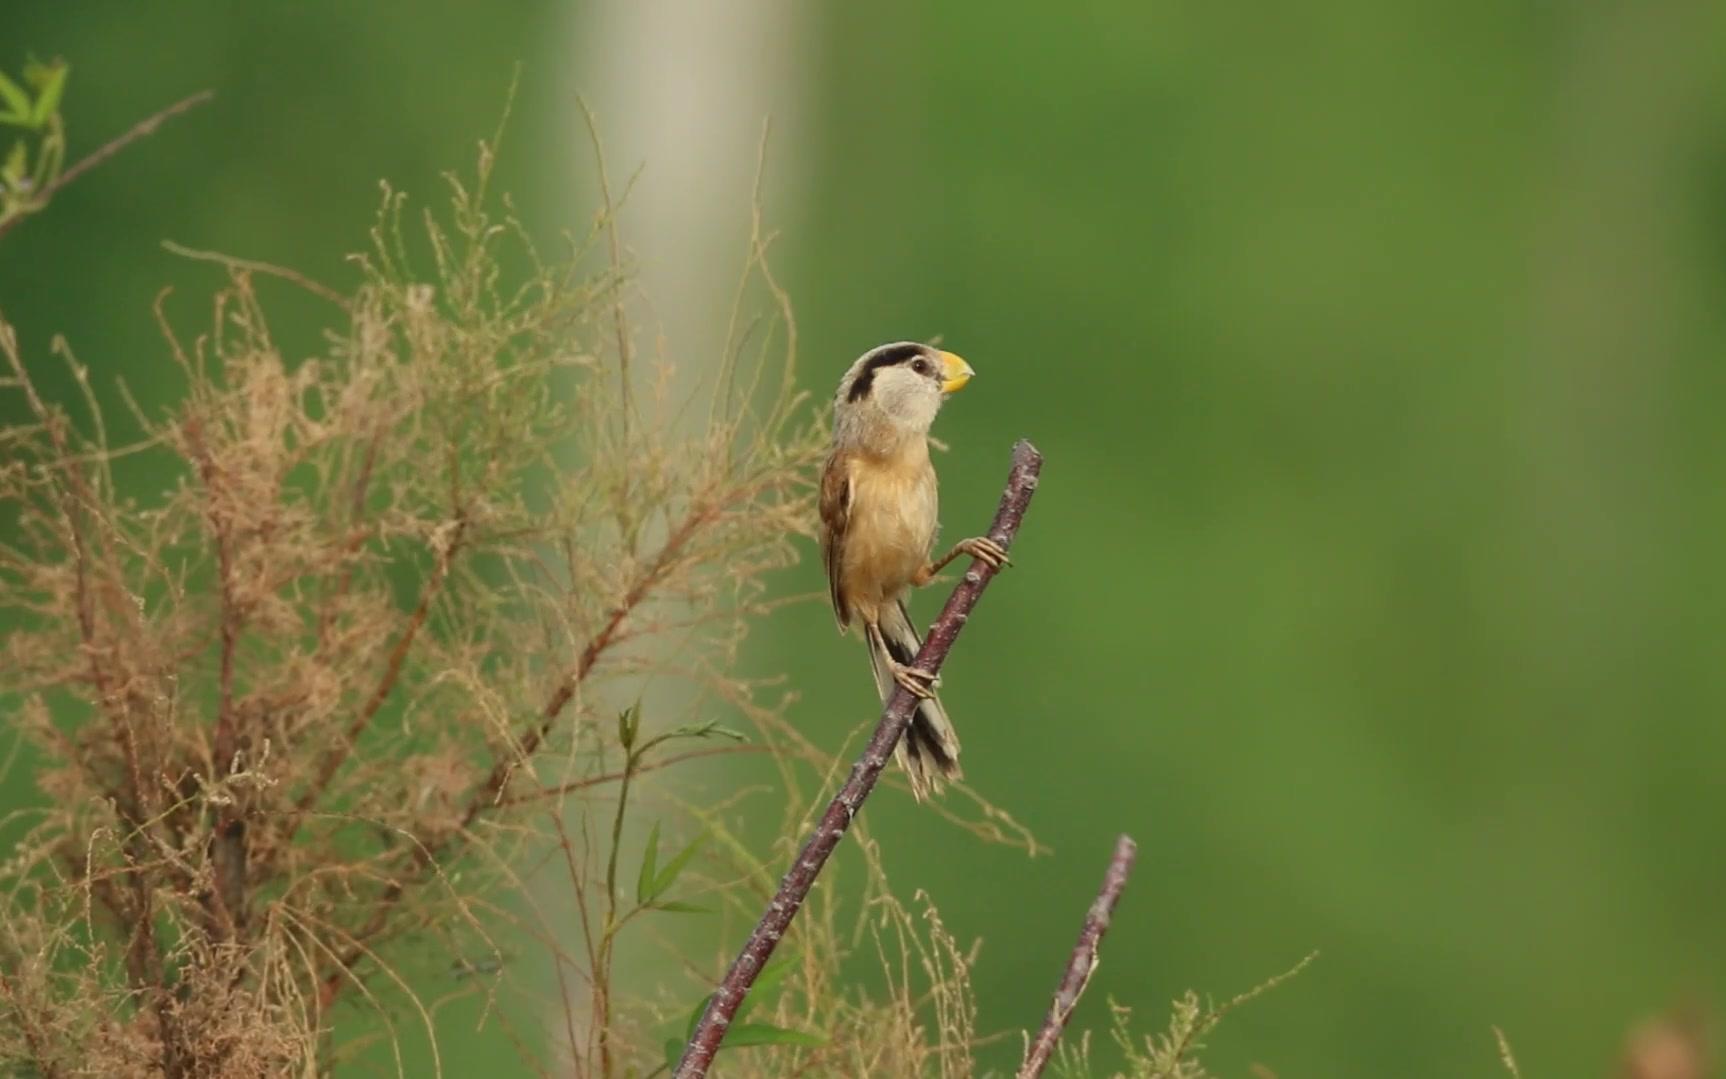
{"points": [[902, 384]]}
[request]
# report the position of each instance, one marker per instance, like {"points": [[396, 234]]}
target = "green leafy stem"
{"points": [[32, 167], [35, 168], [653, 884]]}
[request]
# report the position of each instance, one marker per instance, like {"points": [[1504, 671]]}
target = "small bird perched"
{"points": [[879, 511]]}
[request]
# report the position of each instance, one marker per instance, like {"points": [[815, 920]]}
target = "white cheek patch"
{"points": [[903, 388]]}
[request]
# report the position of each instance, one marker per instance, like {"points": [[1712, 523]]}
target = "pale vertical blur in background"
{"points": [[1378, 353]]}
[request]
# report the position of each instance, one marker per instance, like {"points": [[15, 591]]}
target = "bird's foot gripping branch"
{"points": [[709, 1032]]}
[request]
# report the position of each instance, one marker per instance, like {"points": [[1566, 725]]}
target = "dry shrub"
{"points": [[308, 721]]}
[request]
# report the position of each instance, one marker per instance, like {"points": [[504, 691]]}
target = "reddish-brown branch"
{"points": [[357, 534], [709, 1032], [227, 729], [228, 852], [491, 790], [566, 689], [226, 740], [337, 754], [1084, 960]]}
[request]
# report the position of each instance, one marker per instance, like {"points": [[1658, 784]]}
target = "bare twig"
{"points": [[239, 265], [709, 1032], [1083, 962], [142, 128]]}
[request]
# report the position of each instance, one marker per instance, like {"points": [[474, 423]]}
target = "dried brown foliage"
{"points": [[380, 602], [315, 724]]}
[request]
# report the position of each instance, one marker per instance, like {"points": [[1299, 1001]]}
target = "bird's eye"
{"points": [[920, 365]]}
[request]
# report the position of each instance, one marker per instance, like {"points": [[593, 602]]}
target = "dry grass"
{"points": [[1172, 1054]]}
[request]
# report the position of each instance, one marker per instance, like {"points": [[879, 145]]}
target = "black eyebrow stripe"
{"points": [[887, 356]]}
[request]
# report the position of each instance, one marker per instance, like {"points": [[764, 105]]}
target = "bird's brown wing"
{"points": [[835, 518]]}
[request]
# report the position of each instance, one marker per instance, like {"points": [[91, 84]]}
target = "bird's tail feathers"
{"points": [[929, 751]]}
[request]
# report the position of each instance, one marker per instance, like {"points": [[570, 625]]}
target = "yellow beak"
{"points": [[958, 373]]}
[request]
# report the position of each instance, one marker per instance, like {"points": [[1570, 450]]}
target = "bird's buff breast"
{"points": [[892, 527]]}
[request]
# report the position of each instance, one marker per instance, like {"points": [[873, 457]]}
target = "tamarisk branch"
{"points": [[1083, 962], [709, 1031]]}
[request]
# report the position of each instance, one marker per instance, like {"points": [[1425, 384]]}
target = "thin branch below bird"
{"points": [[1083, 963]]}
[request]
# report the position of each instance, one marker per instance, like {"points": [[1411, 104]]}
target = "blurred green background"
{"points": [[1376, 581]]}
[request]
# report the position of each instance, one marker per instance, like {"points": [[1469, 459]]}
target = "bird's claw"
{"points": [[919, 682], [987, 551]]}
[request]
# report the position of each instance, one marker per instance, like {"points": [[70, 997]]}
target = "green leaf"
{"points": [[644, 880], [673, 1053], [628, 724], [668, 876], [17, 164], [672, 906], [17, 102], [742, 1035], [51, 85]]}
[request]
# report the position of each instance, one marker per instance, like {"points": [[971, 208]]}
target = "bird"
{"points": [[879, 511]]}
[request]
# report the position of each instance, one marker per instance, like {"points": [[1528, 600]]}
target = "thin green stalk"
{"points": [[602, 975]]}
